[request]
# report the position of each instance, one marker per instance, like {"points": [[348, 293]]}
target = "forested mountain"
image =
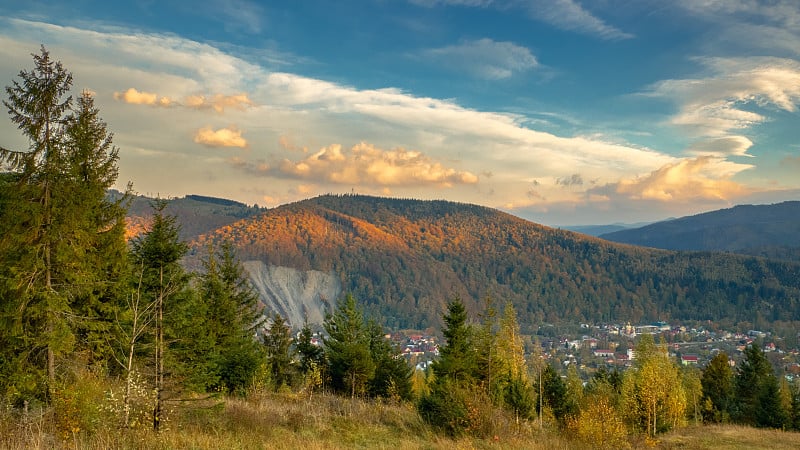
{"points": [[404, 259], [196, 214], [771, 231]]}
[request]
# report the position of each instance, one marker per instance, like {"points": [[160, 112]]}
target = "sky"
{"points": [[562, 112]]}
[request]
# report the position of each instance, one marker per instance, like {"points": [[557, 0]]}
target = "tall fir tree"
{"points": [[347, 349], [233, 319], [748, 383], [280, 358], [62, 246], [717, 382], [164, 283]]}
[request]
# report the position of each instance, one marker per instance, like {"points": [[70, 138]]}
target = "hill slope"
{"points": [[404, 259], [764, 230]]}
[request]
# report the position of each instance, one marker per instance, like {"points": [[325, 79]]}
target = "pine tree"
{"points": [[769, 409], [164, 283], [99, 262], [232, 319], [347, 349], [278, 345], [750, 374], [392, 378], [310, 355], [717, 382], [457, 361], [62, 246]]}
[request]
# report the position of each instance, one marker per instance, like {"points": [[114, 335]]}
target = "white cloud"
{"points": [[723, 102], [223, 137], [484, 58], [567, 15], [571, 16]]}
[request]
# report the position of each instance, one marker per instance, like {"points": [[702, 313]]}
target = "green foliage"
{"points": [[717, 382], [232, 318], [457, 359], [347, 349], [278, 346], [392, 377], [310, 355], [769, 410], [62, 250], [749, 383]]}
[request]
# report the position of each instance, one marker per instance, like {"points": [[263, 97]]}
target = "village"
{"points": [[592, 346]]}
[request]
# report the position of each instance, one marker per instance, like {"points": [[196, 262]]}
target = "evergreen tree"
{"points": [[347, 349], [278, 345], [62, 243], [750, 375], [310, 355], [392, 378], [554, 394], [233, 317], [164, 283], [717, 382], [769, 410], [457, 360], [100, 263]]}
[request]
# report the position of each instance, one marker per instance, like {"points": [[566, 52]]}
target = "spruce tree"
{"points": [[232, 321], [392, 378], [717, 382], [278, 345], [62, 246], [347, 349], [164, 283], [750, 375]]}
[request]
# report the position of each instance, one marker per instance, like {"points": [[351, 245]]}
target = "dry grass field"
{"points": [[289, 421]]}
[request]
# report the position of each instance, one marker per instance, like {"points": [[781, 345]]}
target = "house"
{"points": [[603, 353], [689, 359]]}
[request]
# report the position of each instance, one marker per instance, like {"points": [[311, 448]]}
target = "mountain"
{"points": [[597, 230], [762, 230], [404, 259], [196, 214]]}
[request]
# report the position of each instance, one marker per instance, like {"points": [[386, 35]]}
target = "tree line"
{"points": [[483, 378]]}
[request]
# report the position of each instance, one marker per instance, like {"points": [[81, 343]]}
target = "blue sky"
{"points": [[563, 112]]}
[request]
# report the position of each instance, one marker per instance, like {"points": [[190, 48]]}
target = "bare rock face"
{"points": [[294, 294]]}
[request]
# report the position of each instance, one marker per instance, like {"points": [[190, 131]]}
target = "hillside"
{"points": [[762, 230], [404, 259], [196, 214]]}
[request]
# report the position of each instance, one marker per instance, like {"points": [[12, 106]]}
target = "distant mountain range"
{"points": [[404, 259], [771, 231]]}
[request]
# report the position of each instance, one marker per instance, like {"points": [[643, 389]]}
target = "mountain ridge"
{"points": [[404, 259], [759, 230]]}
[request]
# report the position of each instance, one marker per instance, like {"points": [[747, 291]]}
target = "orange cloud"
{"points": [[224, 137], [366, 164], [135, 97], [702, 178], [219, 102]]}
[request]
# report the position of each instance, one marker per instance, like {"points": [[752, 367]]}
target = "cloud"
{"points": [[574, 180], [484, 58], [219, 102], [715, 105], [695, 179], [723, 146], [366, 165], [224, 137], [135, 97], [569, 15]]}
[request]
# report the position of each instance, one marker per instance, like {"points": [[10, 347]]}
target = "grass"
{"points": [[290, 421]]}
